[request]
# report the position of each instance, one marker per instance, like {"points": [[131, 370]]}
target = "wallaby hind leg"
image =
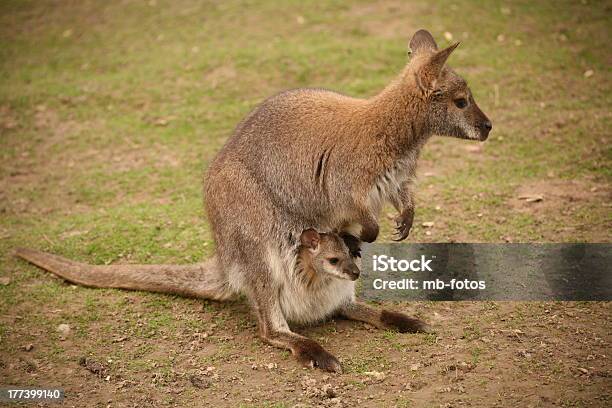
{"points": [[383, 319], [274, 330]]}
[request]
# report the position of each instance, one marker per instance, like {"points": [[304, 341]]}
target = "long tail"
{"points": [[202, 280]]}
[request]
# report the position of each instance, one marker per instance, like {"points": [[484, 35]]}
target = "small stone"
{"points": [[428, 224], [28, 347], [94, 367], [534, 199], [531, 198], [588, 73], [448, 36], [200, 381], [64, 330], [329, 391], [377, 375]]}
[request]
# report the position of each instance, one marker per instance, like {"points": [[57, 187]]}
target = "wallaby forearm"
{"points": [[407, 194], [405, 208]]}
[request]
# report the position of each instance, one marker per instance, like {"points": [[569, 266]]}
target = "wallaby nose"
{"points": [[485, 128]]}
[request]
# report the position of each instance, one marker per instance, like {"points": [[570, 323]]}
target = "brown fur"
{"points": [[185, 280]]}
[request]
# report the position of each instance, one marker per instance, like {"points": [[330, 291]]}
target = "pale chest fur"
{"points": [[309, 305], [303, 303], [387, 187]]}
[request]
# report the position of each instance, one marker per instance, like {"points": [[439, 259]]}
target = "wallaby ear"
{"points": [[422, 40], [429, 72], [310, 238], [438, 60]]}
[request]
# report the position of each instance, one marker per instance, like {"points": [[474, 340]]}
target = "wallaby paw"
{"points": [[403, 323], [403, 224], [311, 354], [369, 233]]}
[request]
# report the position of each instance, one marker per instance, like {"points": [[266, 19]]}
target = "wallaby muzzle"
{"points": [[483, 124]]}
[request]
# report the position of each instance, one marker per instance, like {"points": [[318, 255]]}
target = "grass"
{"points": [[111, 111]]}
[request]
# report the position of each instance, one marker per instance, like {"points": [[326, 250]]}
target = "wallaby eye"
{"points": [[460, 103], [333, 261]]}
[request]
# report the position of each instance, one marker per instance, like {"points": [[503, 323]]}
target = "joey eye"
{"points": [[461, 103], [333, 261]]}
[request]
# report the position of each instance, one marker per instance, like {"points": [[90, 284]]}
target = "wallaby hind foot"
{"points": [[384, 319], [306, 351]]}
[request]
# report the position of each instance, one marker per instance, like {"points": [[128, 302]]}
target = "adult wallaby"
{"points": [[312, 158]]}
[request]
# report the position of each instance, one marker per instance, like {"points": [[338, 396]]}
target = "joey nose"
{"points": [[487, 125], [353, 272]]}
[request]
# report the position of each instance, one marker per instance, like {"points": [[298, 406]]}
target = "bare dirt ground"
{"points": [[497, 354]]}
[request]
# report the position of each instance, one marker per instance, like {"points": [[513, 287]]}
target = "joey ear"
{"points": [[429, 72], [353, 244], [310, 238], [422, 40]]}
